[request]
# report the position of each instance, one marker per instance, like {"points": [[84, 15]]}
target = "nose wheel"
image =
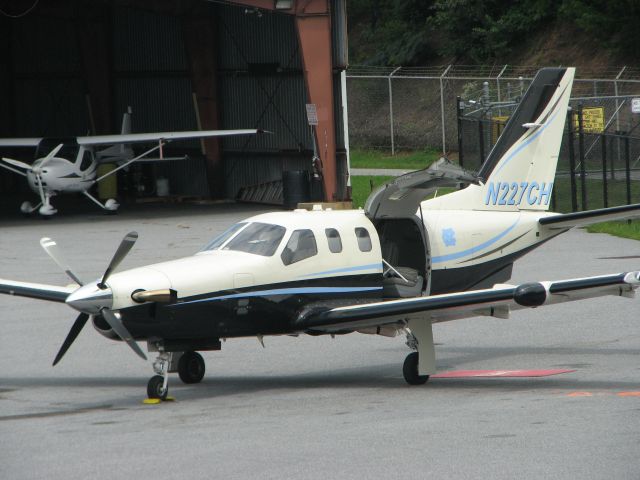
{"points": [[158, 386]]}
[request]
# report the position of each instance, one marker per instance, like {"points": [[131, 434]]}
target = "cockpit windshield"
{"points": [[218, 241], [258, 238]]}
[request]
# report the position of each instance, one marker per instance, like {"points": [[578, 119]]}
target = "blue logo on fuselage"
{"points": [[449, 237]]}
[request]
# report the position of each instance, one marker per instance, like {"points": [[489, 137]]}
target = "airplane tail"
{"points": [[519, 172], [126, 122]]}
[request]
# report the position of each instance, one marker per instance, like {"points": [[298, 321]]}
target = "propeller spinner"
{"points": [[93, 298]]}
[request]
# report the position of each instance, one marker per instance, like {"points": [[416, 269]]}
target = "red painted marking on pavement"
{"points": [[580, 394], [629, 394], [500, 373]]}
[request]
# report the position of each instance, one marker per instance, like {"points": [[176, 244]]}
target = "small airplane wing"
{"points": [[40, 291], [19, 142], [496, 302], [580, 219], [161, 136]]}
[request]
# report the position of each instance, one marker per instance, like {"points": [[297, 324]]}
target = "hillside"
{"points": [[592, 35]]}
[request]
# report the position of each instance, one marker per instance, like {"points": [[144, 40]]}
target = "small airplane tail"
{"points": [[520, 169], [519, 172], [126, 122]]}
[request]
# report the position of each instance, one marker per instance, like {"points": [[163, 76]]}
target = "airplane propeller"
{"points": [[94, 298], [37, 169]]}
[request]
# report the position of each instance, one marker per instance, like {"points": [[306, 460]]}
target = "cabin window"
{"points": [[218, 241], [333, 239], [364, 240], [301, 245], [257, 238], [87, 159]]}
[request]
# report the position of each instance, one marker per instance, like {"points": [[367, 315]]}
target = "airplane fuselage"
{"points": [[61, 175], [224, 293]]}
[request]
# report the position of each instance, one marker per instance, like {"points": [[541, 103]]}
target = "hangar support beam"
{"points": [[200, 36]]}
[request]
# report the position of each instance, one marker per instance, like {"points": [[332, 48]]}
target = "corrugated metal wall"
{"points": [[260, 84]]}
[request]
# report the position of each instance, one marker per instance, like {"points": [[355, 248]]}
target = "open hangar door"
{"points": [[73, 69]]}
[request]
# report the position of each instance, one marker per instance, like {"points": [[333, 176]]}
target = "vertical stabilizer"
{"points": [[520, 169]]}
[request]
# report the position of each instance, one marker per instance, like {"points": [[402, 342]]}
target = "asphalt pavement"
{"points": [[315, 407]]}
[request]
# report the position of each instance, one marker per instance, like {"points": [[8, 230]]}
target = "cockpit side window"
{"points": [[257, 238], [333, 240], [87, 158], [364, 240], [301, 245], [218, 241]]}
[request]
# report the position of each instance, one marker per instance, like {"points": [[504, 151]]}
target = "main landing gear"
{"points": [[190, 368], [419, 365]]}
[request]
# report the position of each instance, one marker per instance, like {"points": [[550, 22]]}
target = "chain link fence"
{"points": [[462, 111], [412, 108]]}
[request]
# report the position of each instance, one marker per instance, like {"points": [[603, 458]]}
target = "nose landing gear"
{"points": [[189, 365]]}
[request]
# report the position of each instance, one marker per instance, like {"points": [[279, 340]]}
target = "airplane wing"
{"points": [[496, 302], [40, 291], [19, 142], [161, 136], [581, 219]]}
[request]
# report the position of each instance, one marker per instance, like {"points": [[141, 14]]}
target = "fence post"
{"points": [[603, 150], [572, 164], [444, 136], [627, 167], [393, 146], [460, 112], [583, 170]]}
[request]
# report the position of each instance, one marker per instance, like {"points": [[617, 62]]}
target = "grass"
{"points": [[361, 188], [405, 160], [624, 229]]}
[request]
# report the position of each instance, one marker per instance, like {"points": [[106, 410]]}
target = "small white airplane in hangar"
{"points": [[70, 165], [400, 265]]}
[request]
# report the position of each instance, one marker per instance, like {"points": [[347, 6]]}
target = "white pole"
{"points": [[345, 123], [393, 147], [444, 136]]}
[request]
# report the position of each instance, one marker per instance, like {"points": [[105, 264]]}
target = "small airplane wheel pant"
{"points": [[191, 367], [410, 370], [154, 388]]}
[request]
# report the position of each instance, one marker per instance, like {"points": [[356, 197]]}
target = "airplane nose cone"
{"points": [[90, 299]]}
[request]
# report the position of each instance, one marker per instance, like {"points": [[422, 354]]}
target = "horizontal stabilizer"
{"points": [[580, 219], [40, 291]]}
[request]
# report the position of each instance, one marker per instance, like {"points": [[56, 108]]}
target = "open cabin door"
{"points": [[395, 210]]}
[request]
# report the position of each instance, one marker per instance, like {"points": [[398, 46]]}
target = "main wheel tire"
{"points": [[191, 367], [410, 370], [155, 388]]}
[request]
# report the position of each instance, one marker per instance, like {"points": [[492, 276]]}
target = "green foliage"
{"points": [[411, 32], [486, 29], [614, 22]]}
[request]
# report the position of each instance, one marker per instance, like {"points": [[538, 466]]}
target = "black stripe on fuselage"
{"points": [[240, 312]]}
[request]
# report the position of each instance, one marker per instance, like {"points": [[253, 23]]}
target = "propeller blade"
{"points": [[17, 163], [71, 336], [124, 247], [51, 154], [51, 247], [116, 324]]}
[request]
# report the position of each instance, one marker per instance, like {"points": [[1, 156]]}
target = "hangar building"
{"points": [[72, 68]]}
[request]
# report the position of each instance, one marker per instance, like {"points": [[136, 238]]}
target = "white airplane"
{"points": [[71, 165], [400, 265]]}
